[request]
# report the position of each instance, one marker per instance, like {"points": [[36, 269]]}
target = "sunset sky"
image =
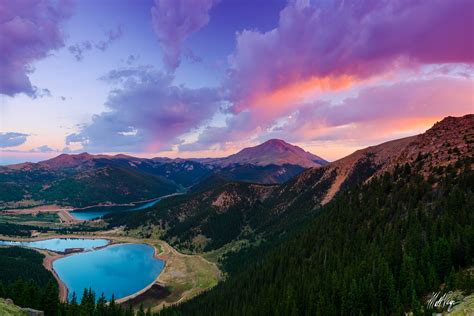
{"points": [[204, 78]]}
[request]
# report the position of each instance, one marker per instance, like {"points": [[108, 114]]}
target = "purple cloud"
{"points": [[176, 20], [78, 49], [359, 39], [12, 139], [29, 31], [146, 113], [353, 39]]}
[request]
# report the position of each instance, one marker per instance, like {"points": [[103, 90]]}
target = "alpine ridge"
{"points": [[61, 179]]}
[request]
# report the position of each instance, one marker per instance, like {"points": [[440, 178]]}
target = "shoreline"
{"points": [[173, 261], [62, 236], [48, 265], [54, 208], [51, 256], [64, 212], [63, 289]]}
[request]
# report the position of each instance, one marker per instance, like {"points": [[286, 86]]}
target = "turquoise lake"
{"points": [[59, 244], [119, 269], [99, 211]]}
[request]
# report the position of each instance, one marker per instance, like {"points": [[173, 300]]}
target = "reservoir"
{"points": [[121, 270], [96, 212], [59, 244]]}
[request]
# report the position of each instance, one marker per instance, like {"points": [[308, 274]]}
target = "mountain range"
{"points": [[218, 211], [374, 233], [85, 179]]}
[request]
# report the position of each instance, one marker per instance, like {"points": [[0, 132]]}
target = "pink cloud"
{"points": [[382, 112], [347, 40], [176, 20], [376, 114], [333, 46], [29, 31]]}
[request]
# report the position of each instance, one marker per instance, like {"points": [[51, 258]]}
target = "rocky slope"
{"points": [[441, 145]]}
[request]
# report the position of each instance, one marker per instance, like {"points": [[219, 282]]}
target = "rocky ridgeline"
{"points": [[446, 142], [443, 144]]}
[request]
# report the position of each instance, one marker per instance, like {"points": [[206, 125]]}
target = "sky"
{"points": [[205, 78]]}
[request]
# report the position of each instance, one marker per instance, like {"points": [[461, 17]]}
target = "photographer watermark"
{"points": [[441, 302]]}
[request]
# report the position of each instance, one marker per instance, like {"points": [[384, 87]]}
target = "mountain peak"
{"points": [[275, 142], [274, 152], [70, 160]]}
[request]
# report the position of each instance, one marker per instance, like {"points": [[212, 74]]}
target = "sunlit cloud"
{"points": [[29, 31]]}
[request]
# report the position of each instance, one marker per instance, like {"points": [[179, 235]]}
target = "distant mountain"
{"points": [[85, 179], [272, 152], [85, 184]]}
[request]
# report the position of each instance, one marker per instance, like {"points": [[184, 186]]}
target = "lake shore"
{"points": [[63, 290], [64, 211], [48, 264], [187, 275]]}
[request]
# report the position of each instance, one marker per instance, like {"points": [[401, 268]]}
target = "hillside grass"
{"points": [[10, 310], [465, 307]]}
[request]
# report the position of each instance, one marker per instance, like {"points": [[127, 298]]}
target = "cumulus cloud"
{"points": [[330, 45], [29, 31], [176, 20], [12, 139], [146, 113]]}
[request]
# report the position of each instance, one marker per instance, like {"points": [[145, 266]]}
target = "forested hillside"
{"points": [[376, 249], [79, 187], [24, 279]]}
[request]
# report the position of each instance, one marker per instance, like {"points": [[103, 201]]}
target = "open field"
{"points": [[44, 215]]}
